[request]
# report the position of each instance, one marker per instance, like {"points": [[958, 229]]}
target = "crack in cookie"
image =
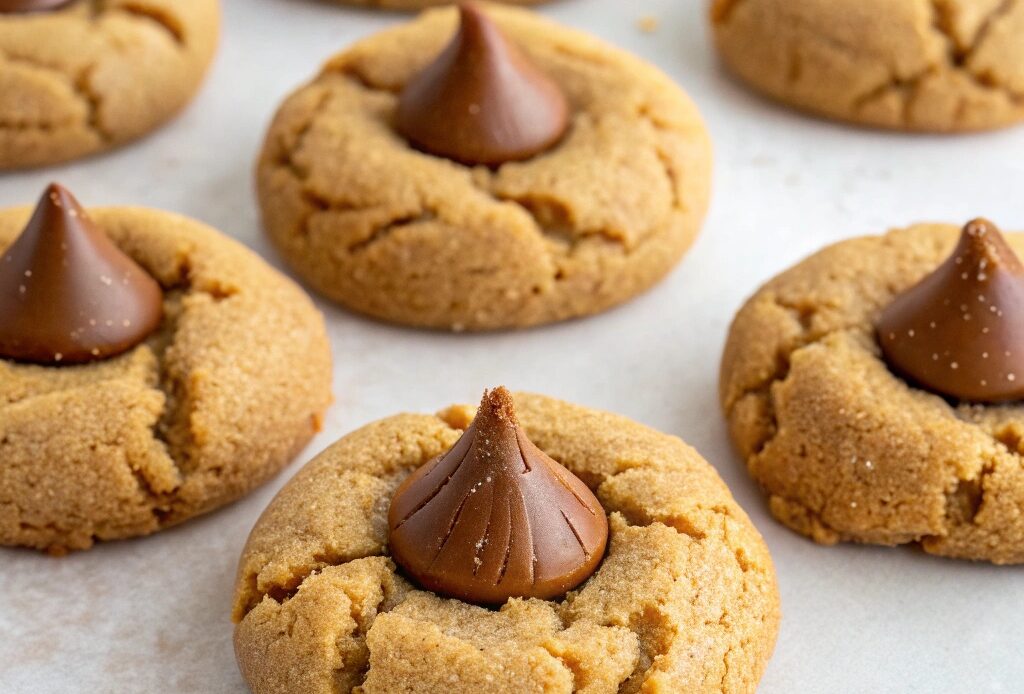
{"points": [[85, 99], [160, 16], [837, 441], [705, 576], [589, 224], [939, 65], [182, 423]]}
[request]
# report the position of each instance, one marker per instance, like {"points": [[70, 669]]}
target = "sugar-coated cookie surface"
{"points": [[92, 75], [395, 233], [926, 65], [221, 397], [685, 599], [845, 449]]}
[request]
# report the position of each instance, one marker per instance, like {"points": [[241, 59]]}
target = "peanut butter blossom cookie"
{"points": [[925, 65], [534, 547], [150, 370], [483, 168], [876, 391], [79, 77]]}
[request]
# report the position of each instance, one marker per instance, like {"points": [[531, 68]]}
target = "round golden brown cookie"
{"points": [[847, 450], [92, 75], [684, 601], [221, 397], [924, 65], [408, 237]]}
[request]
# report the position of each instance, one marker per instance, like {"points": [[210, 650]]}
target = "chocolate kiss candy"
{"points": [[495, 517], [482, 101], [960, 331], [67, 293], [31, 5]]}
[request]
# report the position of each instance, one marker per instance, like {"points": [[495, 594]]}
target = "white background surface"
{"points": [[153, 614]]}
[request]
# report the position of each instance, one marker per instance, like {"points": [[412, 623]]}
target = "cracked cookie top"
{"points": [[925, 65], [685, 599], [393, 232], [96, 73], [846, 449], [231, 384]]}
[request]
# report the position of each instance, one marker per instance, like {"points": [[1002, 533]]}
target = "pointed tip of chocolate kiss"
{"points": [[58, 198], [482, 101], [981, 243], [472, 17], [959, 332], [497, 403], [978, 226], [475, 27], [68, 295], [495, 517]]}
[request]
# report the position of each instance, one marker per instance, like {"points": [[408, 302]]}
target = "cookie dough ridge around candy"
{"points": [[467, 248], [845, 449], [686, 574], [221, 397]]}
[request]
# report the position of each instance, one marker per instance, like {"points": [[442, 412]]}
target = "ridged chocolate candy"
{"points": [[960, 331], [482, 101], [495, 517], [67, 294]]}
